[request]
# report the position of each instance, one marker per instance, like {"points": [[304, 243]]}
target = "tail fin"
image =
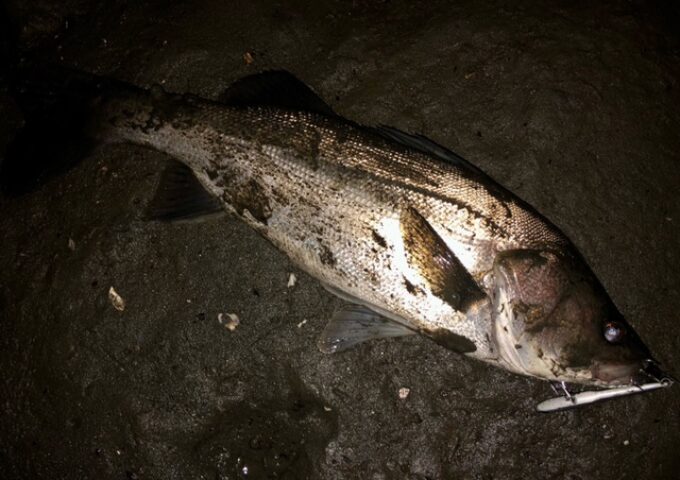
{"points": [[56, 105]]}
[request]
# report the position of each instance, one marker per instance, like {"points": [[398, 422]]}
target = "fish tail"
{"points": [[56, 104]]}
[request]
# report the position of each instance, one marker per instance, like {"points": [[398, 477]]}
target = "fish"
{"points": [[414, 238]]}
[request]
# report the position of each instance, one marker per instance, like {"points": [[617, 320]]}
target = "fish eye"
{"points": [[614, 332]]}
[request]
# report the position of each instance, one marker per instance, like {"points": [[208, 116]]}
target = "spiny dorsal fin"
{"points": [[354, 324], [276, 88], [428, 253], [181, 197], [427, 146]]}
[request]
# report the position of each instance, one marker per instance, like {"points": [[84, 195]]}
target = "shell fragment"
{"points": [[116, 300]]}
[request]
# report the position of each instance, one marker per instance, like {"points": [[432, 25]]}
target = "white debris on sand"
{"points": [[404, 393], [299, 325], [116, 300], [292, 280], [229, 320]]}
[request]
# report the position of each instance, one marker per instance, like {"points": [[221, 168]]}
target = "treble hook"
{"points": [[560, 388]]}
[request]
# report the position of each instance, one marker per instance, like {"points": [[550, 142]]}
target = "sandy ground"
{"points": [[573, 107]]}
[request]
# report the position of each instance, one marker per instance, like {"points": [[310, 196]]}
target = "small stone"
{"points": [[404, 393]]}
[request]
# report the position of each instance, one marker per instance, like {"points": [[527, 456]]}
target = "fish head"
{"points": [[553, 320]]}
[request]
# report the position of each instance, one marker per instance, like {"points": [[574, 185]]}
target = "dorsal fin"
{"points": [[276, 88], [427, 146]]}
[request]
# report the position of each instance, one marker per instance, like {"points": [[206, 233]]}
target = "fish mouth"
{"points": [[616, 373], [637, 373]]}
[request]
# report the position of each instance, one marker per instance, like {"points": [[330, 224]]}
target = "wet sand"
{"points": [[572, 107]]}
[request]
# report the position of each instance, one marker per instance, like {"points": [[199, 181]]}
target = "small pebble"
{"points": [[626, 442], [404, 393], [299, 325]]}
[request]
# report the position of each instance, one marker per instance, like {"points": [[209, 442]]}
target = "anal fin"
{"points": [[180, 197]]}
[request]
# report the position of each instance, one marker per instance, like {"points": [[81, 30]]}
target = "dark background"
{"points": [[572, 105]]}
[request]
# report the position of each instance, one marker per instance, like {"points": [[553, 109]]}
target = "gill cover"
{"points": [[552, 318]]}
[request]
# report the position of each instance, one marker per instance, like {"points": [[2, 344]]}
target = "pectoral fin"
{"points": [[427, 252], [355, 324]]}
